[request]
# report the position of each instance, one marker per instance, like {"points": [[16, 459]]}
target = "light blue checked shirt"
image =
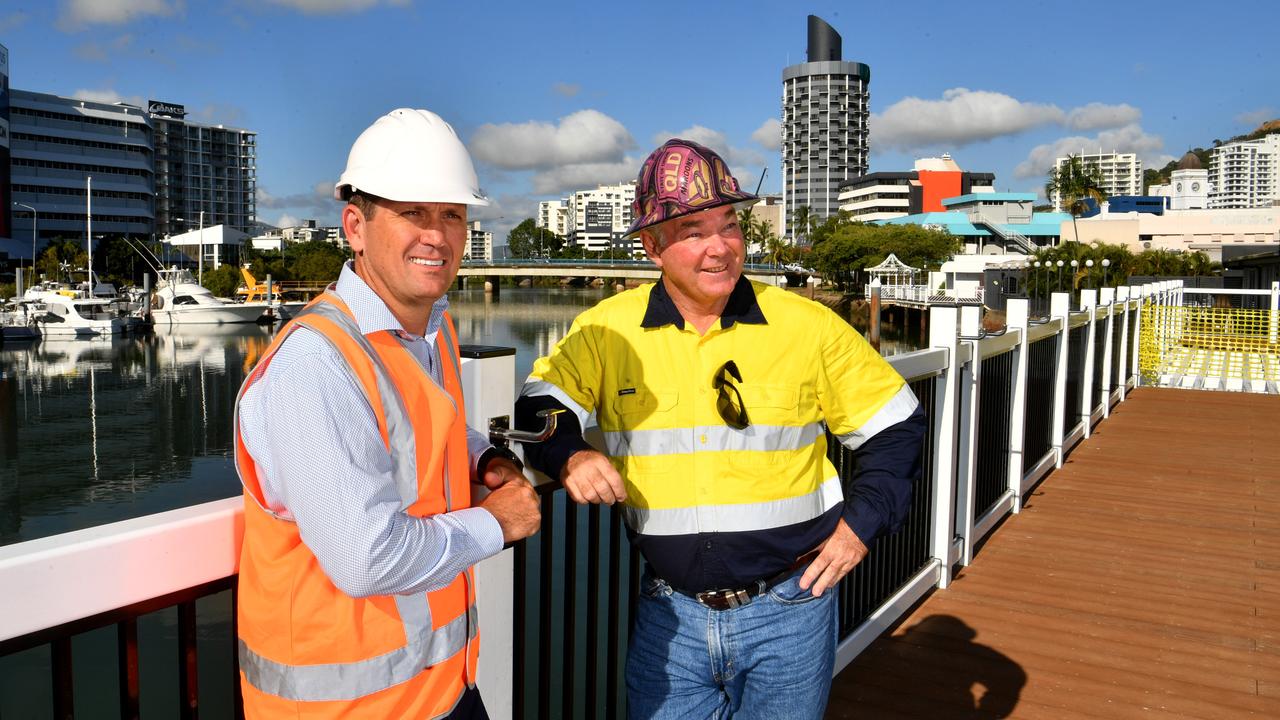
{"points": [[323, 464]]}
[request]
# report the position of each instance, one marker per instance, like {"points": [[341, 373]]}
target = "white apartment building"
{"points": [[553, 215], [202, 168], [825, 111], [56, 143], [1246, 174], [597, 219], [479, 243], [1121, 172], [1188, 187]]}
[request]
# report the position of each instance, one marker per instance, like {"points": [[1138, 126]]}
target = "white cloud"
{"points": [[319, 199], [566, 89], [1254, 118], [1097, 116], [76, 14], [769, 134], [97, 52], [329, 7], [107, 95], [579, 176], [961, 117], [286, 220], [1128, 139], [584, 137], [13, 21], [714, 139]]}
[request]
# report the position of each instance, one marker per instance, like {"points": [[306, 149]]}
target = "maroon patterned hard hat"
{"points": [[679, 178]]}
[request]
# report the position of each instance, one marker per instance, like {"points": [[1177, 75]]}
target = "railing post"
{"points": [[942, 333], [969, 381], [1060, 309], [1275, 312], [1122, 300], [488, 386], [1017, 318], [1088, 303], [1108, 306], [1139, 294]]}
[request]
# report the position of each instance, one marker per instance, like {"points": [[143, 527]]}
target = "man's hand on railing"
{"points": [[515, 506], [589, 477]]}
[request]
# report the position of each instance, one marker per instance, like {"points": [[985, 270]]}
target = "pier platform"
{"points": [[1140, 580]]}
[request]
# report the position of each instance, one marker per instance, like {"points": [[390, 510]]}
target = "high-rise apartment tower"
{"points": [[825, 106]]}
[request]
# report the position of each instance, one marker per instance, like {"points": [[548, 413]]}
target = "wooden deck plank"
{"points": [[1141, 580]]}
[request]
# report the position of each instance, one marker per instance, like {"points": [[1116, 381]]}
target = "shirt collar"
{"points": [[372, 314], [741, 307]]}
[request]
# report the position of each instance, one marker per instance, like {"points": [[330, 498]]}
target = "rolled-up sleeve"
{"points": [[324, 465]]}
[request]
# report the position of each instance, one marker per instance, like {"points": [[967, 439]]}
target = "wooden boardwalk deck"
{"points": [[1141, 580]]}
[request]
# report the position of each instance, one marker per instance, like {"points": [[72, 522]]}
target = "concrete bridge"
{"points": [[491, 270]]}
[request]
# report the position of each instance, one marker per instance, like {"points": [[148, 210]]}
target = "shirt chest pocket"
{"points": [[644, 428], [771, 404]]}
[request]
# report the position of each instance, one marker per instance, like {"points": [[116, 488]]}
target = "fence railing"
{"points": [[1004, 409], [926, 295]]}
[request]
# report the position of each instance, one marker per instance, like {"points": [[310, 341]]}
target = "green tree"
{"points": [[852, 247], [223, 280], [316, 261], [59, 256], [527, 240], [802, 221], [1074, 184]]}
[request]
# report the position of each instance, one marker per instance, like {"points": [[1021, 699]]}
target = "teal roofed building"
{"points": [[993, 223]]}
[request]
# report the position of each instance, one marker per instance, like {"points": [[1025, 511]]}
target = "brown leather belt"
{"points": [[728, 599]]}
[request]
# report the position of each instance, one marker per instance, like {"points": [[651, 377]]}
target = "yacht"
{"points": [[180, 300], [17, 322]]}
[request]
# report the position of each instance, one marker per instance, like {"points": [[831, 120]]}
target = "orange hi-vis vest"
{"points": [[307, 650]]}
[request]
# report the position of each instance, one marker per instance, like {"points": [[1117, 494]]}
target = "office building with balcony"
{"points": [[553, 215], [1245, 174], [597, 219], [1121, 172], [888, 195], [56, 145], [209, 169], [825, 107], [479, 243]]}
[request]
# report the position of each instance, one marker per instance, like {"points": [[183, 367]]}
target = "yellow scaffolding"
{"points": [[1210, 347]]}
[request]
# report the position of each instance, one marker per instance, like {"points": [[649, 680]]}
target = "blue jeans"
{"points": [[769, 659]]}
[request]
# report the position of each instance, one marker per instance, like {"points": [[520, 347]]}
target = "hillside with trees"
{"points": [[1151, 176]]}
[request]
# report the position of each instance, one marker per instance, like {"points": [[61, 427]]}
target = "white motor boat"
{"points": [[17, 322], [179, 300], [58, 314]]}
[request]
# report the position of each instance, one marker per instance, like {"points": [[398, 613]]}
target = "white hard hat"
{"points": [[411, 156]]}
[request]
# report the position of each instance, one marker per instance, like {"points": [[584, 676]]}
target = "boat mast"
{"points": [[88, 226]]}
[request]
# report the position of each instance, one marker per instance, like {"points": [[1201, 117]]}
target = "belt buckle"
{"points": [[723, 599]]}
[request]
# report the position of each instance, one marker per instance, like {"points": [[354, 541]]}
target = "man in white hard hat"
{"points": [[356, 594]]}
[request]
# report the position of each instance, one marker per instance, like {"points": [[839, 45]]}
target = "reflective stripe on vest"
{"points": [[735, 518], [678, 441], [354, 680], [424, 645]]}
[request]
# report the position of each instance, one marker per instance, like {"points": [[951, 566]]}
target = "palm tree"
{"points": [[802, 223], [1073, 185]]}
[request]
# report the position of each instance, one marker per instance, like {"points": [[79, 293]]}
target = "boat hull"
{"points": [[209, 314]]}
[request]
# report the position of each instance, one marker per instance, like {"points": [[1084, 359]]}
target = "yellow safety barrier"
{"points": [[1210, 347]]}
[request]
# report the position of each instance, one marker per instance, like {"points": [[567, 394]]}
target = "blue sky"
{"points": [[552, 97]]}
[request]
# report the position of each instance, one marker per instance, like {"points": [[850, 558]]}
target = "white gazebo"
{"points": [[893, 272]]}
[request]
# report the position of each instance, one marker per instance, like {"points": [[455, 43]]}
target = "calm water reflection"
{"points": [[98, 431]]}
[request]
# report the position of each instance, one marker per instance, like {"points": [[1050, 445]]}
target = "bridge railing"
{"points": [[1004, 409]]}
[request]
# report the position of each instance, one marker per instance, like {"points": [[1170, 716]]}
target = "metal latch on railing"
{"points": [[501, 432]]}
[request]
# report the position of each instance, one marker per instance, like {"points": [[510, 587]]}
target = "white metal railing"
{"points": [[1005, 232], [926, 295], [80, 574]]}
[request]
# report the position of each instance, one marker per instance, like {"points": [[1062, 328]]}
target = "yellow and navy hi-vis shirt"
{"points": [[711, 506]]}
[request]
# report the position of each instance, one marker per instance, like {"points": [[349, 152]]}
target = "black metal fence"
{"points": [[1099, 347], [1074, 402], [1037, 425], [994, 418], [1118, 354], [95, 663]]}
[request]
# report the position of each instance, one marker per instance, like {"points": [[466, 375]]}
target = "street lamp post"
{"points": [[1106, 263], [1057, 283], [35, 218], [1089, 264], [1074, 264], [1036, 275]]}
